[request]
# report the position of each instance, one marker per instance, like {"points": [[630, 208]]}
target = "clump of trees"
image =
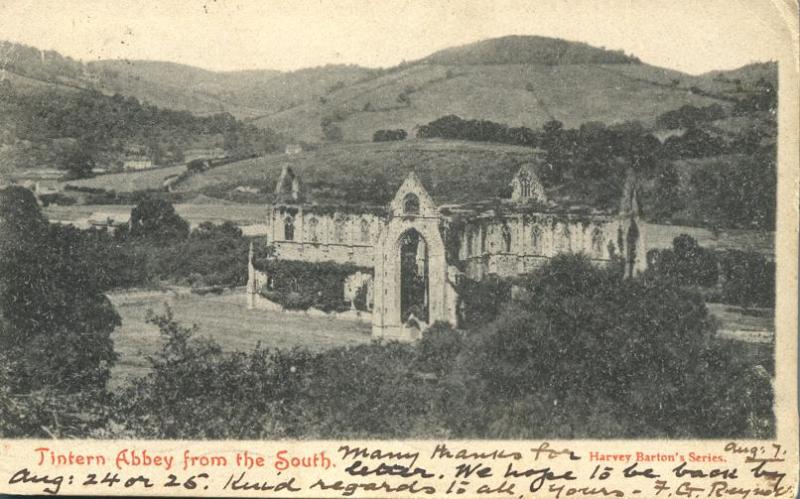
{"points": [[157, 220], [732, 276], [389, 135], [158, 245], [748, 279], [55, 324], [689, 116], [763, 97], [687, 262], [737, 189], [104, 126], [454, 127]]}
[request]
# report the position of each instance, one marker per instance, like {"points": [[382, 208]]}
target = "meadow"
{"points": [[194, 213], [223, 318], [129, 181]]}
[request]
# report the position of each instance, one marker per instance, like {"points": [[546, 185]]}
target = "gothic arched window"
{"points": [[338, 230], [536, 239], [506, 233], [288, 229], [411, 204], [561, 238], [597, 241], [313, 230], [566, 234], [364, 232]]}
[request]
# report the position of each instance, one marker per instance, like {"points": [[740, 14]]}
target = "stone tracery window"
{"points": [[364, 232], [313, 230], [411, 204], [525, 186], [288, 229]]}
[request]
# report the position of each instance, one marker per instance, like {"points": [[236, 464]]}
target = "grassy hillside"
{"points": [[250, 93], [517, 80], [515, 94], [537, 50], [129, 181], [245, 94], [370, 173]]}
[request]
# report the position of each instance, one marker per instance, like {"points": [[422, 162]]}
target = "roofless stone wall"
{"points": [[502, 237]]}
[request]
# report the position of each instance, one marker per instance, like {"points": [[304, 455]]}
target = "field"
{"points": [[129, 181], [194, 213], [751, 326], [225, 319]]}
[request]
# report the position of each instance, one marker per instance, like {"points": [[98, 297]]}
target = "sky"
{"points": [[693, 36]]}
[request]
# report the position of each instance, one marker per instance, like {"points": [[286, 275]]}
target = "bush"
{"points": [[687, 262], [481, 301], [688, 116], [748, 279], [389, 135], [56, 198]]}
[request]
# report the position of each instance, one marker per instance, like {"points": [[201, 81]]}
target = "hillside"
{"points": [[536, 50], [371, 172], [516, 80], [514, 94], [241, 93], [250, 93]]}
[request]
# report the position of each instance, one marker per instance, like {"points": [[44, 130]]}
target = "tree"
{"points": [[389, 135], [748, 279], [331, 131], [78, 163], [56, 321], [668, 198], [156, 219], [642, 349], [687, 262]]}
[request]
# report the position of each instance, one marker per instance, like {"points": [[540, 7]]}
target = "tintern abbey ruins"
{"points": [[418, 247]]}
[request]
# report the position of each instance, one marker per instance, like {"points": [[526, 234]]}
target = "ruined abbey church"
{"points": [[419, 247]]}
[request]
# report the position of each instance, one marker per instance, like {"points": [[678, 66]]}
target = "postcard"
{"points": [[399, 249]]}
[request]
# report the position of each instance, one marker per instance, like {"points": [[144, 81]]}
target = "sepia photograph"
{"points": [[410, 220]]}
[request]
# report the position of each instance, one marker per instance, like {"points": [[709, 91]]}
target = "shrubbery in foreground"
{"points": [[580, 352]]}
